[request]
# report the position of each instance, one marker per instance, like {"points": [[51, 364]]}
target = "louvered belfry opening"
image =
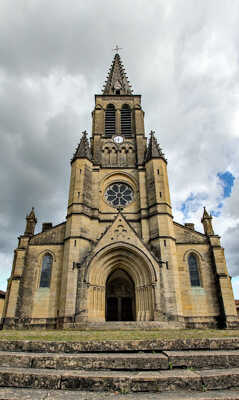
{"points": [[125, 120], [110, 120]]}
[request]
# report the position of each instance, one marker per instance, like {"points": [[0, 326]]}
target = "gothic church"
{"points": [[119, 256]]}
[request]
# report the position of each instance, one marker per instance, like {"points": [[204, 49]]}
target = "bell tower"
{"points": [[117, 172], [118, 122]]}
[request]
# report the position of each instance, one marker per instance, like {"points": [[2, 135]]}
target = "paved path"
{"points": [[31, 394]]}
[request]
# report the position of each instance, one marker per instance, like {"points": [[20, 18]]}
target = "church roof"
{"points": [[83, 148], [117, 79], [153, 149]]}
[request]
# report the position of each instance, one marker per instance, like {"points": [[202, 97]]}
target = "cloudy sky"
{"points": [[181, 55]]}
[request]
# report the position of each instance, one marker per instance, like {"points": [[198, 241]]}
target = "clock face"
{"points": [[118, 139]]}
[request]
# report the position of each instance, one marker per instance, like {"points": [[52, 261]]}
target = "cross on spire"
{"points": [[117, 48]]}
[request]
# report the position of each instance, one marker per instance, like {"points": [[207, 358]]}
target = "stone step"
{"points": [[120, 381], [128, 325], [123, 361], [203, 359], [119, 345], [43, 394], [87, 361]]}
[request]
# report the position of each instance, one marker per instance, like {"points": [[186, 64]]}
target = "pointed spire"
{"points": [[117, 81], [31, 223], [153, 149], [205, 214], [207, 223], [83, 148]]}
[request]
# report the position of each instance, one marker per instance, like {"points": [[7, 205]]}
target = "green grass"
{"points": [[74, 335]]}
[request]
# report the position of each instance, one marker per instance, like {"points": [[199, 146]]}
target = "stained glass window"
{"points": [[119, 194], [193, 270], [46, 271]]}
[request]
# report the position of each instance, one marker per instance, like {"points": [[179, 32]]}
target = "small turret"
{"points": [[83, 149], [31, 223], [207, 223], [153, 149]]}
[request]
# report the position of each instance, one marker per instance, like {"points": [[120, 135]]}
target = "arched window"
{"points": [[110, 120], [125, 120], [193, 270], [46, 271]]}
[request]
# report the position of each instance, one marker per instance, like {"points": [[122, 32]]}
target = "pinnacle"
{"points": [[32, 215], [207, 223], [117, 80], [153, 149], [30, 224], [83, 148], [205, 214]]}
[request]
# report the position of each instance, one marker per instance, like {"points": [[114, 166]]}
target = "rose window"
{"points": [[119, 194]]}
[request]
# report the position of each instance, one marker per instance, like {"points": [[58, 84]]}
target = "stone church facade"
{"points": [[119, 256]]}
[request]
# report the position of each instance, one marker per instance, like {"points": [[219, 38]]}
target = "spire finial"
{"points": [[117, 48], [117, 81]]}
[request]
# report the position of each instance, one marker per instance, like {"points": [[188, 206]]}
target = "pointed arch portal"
{"points": [[121, 283]]}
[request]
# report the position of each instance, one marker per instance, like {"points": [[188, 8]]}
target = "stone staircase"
{"points": [[172, 369]]}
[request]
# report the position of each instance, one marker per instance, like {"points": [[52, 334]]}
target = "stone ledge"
{"points": [[203, 359], [37, 394], [122, 361], [101, 380], [120, 345], [124, 382], [220, 379], [85, 361]]}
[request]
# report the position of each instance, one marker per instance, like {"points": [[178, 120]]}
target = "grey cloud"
{"points": [[181, 56]]}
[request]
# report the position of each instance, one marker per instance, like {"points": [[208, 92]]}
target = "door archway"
{"points": [[120, 297], [138, 274]]}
